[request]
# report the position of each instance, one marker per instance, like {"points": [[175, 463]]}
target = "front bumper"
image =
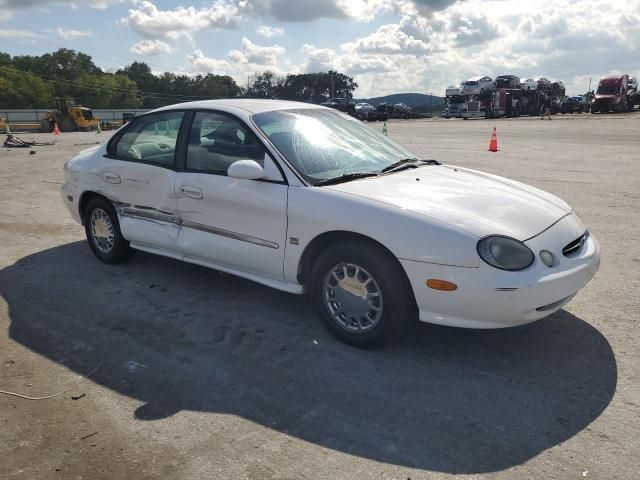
{"points": [[71, 198], [490, 298]]}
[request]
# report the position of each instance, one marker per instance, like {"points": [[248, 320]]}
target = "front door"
{"points": [[240, 224], [138, 175]]}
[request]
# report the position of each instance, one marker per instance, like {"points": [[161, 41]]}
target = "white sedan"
{"points": [[304, 198]]}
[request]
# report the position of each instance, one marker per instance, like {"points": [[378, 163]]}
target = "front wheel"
{"points": [[361, 293], [103, 232]]}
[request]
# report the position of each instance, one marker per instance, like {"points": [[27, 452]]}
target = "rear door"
{"points": [[138, 175], [241, 224]]}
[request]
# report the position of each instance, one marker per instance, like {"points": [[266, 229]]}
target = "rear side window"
{"points": [[151, 139]]}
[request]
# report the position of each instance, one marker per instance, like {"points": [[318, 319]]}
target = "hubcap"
{"points": [[102, 230], [352, 297]]}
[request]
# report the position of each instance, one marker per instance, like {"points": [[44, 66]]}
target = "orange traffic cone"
{"points": [[493, 144], [56, 130]]}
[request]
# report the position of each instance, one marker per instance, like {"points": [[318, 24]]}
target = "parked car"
{"points": [[304, 198], [575, 104], [529, 84], [342, 104], [365, 111], [403, 110], [507, 81], [478, 86]]}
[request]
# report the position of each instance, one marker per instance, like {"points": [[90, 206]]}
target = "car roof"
{"points": [[248, 105]]}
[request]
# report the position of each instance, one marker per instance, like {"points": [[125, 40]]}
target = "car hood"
{"points": [[476, 202]]}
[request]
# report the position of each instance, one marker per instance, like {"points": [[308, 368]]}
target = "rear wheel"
{"points": [[46, 125], [361, 293], [103, 232], [67, 124]]}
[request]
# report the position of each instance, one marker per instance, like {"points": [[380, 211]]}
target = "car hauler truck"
{"points": [[490, 104], [455, 102], [615, 93]]}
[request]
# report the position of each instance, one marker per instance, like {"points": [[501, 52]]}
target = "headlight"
{"points": [[505, 253]]}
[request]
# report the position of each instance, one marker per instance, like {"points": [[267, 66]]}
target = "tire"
{"points": [[117, 250], [378, 275], [46, 126], [67, 124]]}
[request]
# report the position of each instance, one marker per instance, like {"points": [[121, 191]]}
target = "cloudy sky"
{"points": [[389, 46]]}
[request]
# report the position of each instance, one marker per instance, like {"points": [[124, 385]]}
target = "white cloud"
{"points": [[18, 33], [257, 54], [151, 47], [269, 32], [389, 39], [67, 34], [248, 60], [152, 23]]}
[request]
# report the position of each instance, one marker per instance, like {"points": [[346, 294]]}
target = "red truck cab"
{"points": [[612, 94]]}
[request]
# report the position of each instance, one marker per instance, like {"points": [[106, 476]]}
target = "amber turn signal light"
{"points": [[441, 285]]}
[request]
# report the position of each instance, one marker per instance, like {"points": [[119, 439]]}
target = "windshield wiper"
{"points": [[407, 163], [347, 177]]}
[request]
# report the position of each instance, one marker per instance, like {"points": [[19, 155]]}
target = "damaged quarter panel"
{"points": [[143, 195]]}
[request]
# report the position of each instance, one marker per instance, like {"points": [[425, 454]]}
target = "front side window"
{"points": [[216, 141], [151, 139], [322, 144]]}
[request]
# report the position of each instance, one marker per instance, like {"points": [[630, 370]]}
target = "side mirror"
{"points": [[245, 170]]}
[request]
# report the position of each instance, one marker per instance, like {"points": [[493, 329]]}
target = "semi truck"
{"points": [[491, 104], [455, 102], [615, 93]]}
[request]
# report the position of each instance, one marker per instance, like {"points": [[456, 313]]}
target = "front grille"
{"points": [[473, 106], [572, 249]]}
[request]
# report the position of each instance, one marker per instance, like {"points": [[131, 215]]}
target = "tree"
{"points": [[265, 85], [306, 87], [146, 81], [107, 91], [23, 91], [215, 86], [33, 81]]}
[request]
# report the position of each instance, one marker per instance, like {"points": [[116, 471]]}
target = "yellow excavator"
{"points": [[69, 117]]}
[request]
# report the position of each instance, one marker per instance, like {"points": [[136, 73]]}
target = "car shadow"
{"points": [[176, 336]]}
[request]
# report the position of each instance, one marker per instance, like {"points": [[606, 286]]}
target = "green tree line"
{"points": [[35, 81]]}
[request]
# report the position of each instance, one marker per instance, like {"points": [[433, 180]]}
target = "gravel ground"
{"points": [[204, 375]]}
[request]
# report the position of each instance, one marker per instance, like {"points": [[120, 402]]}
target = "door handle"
{"points": [[191, 191], [111, 177]]}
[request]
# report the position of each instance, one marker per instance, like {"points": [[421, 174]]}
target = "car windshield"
{"points": [[324, 144]]}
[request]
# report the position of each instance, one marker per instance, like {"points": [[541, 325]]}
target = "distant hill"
{"points": [[418, 101]]}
